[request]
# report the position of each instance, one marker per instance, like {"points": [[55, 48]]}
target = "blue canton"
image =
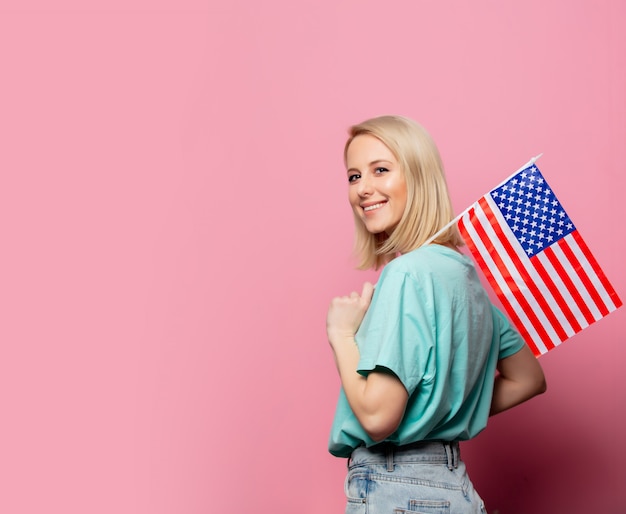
{"points": [[532, 211]]}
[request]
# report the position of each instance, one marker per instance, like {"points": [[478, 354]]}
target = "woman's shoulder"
{"points": [[426, 259]]}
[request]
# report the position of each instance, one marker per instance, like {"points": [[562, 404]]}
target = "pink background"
{"points": [[174, 222]]}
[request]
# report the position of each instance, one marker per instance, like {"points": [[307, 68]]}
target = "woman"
{"points": [[416, 357]]}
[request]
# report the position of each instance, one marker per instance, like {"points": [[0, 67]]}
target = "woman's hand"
{"points": [[346, 313]]}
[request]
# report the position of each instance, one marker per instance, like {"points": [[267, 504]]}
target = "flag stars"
{"points": [[532, 211]]}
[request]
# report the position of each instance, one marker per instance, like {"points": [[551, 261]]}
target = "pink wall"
{"points": [[174, 222]]}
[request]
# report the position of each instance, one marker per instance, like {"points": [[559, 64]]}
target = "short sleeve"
{"points": [[511, 341], [398, 330]]}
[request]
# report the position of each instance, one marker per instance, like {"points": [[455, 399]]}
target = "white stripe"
{"points": [[591, 273], [560, 285], [534, 275], [578, 284], [515, 275], [497, 276]]}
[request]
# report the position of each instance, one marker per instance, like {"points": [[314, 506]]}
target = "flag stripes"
{"points": [[499, 262], [550, 296], [608, 296]]}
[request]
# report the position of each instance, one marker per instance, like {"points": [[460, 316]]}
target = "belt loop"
{"points": [[449, 455], [457, 454], [389, 455]]}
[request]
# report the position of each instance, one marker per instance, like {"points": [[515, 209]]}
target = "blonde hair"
{"points": [[428, 205]]}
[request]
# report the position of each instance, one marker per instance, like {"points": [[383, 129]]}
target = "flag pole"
{"points": [[455, 220]]}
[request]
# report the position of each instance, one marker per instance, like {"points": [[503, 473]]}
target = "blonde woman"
{"points": [[418, 355]]}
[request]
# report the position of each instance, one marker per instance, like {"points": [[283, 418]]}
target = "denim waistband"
{"points": [[425, 452]]}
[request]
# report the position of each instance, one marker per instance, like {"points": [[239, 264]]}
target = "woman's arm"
{"points": [[519, 378], [378, 400]]}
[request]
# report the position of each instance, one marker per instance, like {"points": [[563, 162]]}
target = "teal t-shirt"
{"points": [[432, 324]]}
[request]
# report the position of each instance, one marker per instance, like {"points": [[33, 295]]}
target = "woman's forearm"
{"points": [[520, 378], [508, 393]]}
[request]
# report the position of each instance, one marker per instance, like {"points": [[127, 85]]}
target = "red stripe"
{"points": [[528, 281], [582, 274], [530, 313], [567, 282], [562, 303], [494, 284], [596, 267]]}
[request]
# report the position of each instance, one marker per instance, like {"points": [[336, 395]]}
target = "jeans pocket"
{"points": [[355, 506], [355, 488], [425, 507]]}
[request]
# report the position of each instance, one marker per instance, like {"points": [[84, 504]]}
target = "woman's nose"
{"points": [[365, 187]]}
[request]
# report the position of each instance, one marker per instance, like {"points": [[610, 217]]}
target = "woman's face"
{"points": [[377, 189]]}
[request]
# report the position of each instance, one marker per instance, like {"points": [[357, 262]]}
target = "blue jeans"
{"points": [[427, 477]]}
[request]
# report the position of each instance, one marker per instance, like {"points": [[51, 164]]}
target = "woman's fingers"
{"points": [[367, 292]]}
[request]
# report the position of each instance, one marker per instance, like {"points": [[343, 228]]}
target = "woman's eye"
{"points": [[381, 170], [352, 178]]}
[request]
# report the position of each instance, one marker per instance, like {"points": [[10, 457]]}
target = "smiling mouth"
{"points": [[374, 207]]}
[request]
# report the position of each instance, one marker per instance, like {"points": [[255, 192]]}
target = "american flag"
{"points": [[536, 261]]}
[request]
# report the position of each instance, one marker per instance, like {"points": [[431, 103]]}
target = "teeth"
{"points": [[372, 207]]}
